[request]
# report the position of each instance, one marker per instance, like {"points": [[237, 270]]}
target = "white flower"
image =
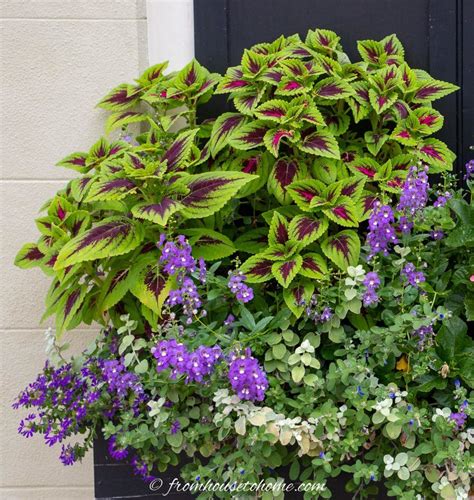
{"points": [[383, 407], [444, 413], [305, 347]]}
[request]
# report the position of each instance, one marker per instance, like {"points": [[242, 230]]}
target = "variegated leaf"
{"points": [[297, 294], [29, 256], [75, 161], [68, 307], [314, 266], [430, 90], [304, 229], [113, 236], [253, 241], [274, 110], [284, 272], [249, 136], [152, 288], [257, 269], [209, 245], [278, 234], [333, 88], [320, 144], [121, 98], [178, 153], [122, 119], [342, 248], [224, 127], [344, 212], [285, 171], [158, 212], [305, 191], [110, 189], [272, 139]]}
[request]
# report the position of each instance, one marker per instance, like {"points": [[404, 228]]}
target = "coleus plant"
{"points": [[287, 178]]}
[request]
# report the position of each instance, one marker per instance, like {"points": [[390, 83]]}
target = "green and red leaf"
{"points": [[333, 88], [246, 102], [305, 191], [344, 212], [115, 286], [177, 155], [274, 110], [257, 269], [314, 266], [68, 307], [158, 212], [285, 171], [29, 256], [278, 234], [122, 119], [249, 136], [272, 139], [320, 144], [436, 153], [296, 294], [342, 249], [365, 167], [430, 90], [304, 229], [209, 245], [210, 191], [253, 241], [285, 271], [113, 236], [110, 189], [224, 127], [152, 288], [121, 98], [75, 161]]}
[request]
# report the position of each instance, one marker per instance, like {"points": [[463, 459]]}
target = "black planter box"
{"points": [[116, 480]]}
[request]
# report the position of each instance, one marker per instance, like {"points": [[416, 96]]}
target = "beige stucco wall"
{"points": [[58, 58]]}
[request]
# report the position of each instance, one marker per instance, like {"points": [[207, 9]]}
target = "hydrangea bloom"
{"points": [[247, 378], [414, 191], [381, 232], [413, 276], [243, 293]]}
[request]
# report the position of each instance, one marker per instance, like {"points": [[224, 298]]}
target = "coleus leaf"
{"points": [[297, 293], [290, 86], [304, 229], [233, 81], [332, 88], [29, 256], [75, 161], [344, 212], [257, 269], [352, 187], [359, 111], [325, 170], [366, 167], [68, 307], [252, 63], [110, 189], [336, 123], [178, 153], [152, 288], [252, 163], [392, 46], [249, 136], [321, 144], [209, 245], [430, 90], [429, 120], [284, 272], [366, 204], [285, 171], [153, 74], [342, 248], [253, 241], [435, 153], [80, 186], [122, 119], [278, 234], [272, 139], [274, 110], [314, 266], [402, 134], [77, 221], [381, 102], [121, 98], [321, 39], [158, 212], [303, 192], [113, 236], [370, 51], [115, 286], [223, 129], [210, 191], [375, 141], [248, 101]]}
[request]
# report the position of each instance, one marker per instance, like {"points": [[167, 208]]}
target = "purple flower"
{"points": [[229, 320], [414, 191], [425, 336], [201, 362], [175, 426], [247, 378], [381, 232], [326, 315], [188, 297], [437, 235], [243, 293], [469, 169], [115, 452], [68, 455], [140, 468], [404, 225], [413, 276], [371, 283], [442, 199], [459, 419], [177, 257], [202, 271]]}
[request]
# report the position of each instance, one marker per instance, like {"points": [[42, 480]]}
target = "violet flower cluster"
{"points": [[177, 260], [460, 417], [414, 191], [313, 311], [243, 293], [371, 283], [246, 377], [469, 170], [412, 276], [381, 232], [425, 336], [194, 364]]}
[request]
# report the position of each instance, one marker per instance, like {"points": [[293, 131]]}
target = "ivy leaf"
{"points": [[209, 245], [321, 144], [210, 191], [114, 236], [285, 271], [343, 248]]}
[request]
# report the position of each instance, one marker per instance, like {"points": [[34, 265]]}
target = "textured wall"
{"points": [[58, 58]]}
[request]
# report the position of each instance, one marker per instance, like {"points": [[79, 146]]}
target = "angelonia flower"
{"points": [[202, 271], [236, 284], [371, 283], [437, 234], [442, 199], [177, 257], [414, 191], [195, 365], [425, 335], [469, 170], [188, 297], [229, 320], [246, 377], [404, 225], [413, 276], [313, 312], [381, 232]]}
